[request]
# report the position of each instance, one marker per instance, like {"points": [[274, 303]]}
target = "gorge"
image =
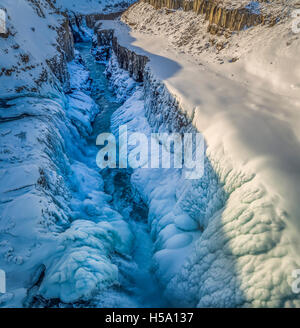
{"points": [[72, 235]]}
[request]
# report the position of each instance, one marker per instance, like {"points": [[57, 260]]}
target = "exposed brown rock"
{"points": [[220, 18], [65, 48]]}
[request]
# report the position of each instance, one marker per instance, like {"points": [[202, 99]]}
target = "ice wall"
{"points": [[58, 233], [221, 241]]}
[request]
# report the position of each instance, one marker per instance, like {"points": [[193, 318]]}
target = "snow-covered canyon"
{"points": [[71, 235], [62, 242]]}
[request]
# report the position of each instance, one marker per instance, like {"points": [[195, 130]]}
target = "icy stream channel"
{"points": [[139, 288]]}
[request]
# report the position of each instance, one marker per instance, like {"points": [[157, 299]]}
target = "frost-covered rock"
{"points": [[94, 6], [53, 210], [121, 81], [34, 54], [226, 239], [82, 265]]}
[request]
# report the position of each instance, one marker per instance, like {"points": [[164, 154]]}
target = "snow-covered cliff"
{"points": [[228, 239], [58, 234], [231, 238], [87, 7]]}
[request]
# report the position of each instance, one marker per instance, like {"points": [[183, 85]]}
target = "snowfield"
{"points": [[23, 59], [93, 6]]}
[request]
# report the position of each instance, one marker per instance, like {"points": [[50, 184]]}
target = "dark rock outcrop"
{"points": [[103, 44], [92, 19], [105, 37], [65, 48], [130, 61], [220, 18], [66, 40], [77, 21]]}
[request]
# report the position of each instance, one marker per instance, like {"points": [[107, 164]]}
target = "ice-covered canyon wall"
{"points": [[221, 241], [54, 244]]}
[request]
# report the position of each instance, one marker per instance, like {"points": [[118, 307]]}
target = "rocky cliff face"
{"points": [[39, 128], [215, 202], [220, 17], [35, 53], [65, 48], [157, 97], [80, 23], [93, 18], [128, 60]]}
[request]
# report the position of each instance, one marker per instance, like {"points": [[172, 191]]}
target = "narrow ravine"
{"points": [[139, 286]]}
